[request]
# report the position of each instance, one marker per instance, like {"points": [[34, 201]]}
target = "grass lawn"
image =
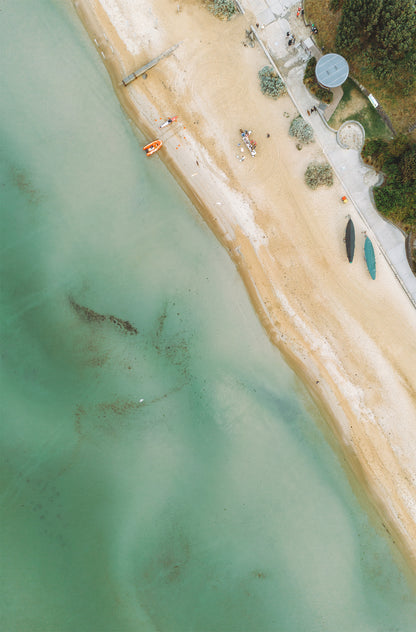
{"points": [[354, 105]]}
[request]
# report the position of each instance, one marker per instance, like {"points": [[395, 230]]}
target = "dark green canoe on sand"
{"points": [[370, 257], [350, 240]]}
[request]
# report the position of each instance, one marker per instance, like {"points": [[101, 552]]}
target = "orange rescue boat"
{"points": [[152, 147]]}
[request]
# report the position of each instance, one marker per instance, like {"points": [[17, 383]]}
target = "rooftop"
{"points": [[332, 70]]}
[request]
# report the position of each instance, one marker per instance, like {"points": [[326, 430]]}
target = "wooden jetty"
{"points": [[147, 67]]}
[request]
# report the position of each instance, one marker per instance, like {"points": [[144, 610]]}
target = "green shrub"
{"points": [[397, 203], [374, 152], [396, 197], [300, 129], [318, 174], [389, 200], [407, 165], [221, 8], [310, 69], [310, 81], [270, 83], [326, 96]]}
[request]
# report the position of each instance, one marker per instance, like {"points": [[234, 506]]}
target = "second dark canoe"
{"points": [[350, 240]]}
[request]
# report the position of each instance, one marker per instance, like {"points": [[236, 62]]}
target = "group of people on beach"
{"points": [[251, 144]]}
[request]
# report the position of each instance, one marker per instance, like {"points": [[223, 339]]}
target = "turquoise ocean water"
{"points": [[168, 477]]}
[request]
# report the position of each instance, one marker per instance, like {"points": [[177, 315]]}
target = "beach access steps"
{"points": [[147, 67]]}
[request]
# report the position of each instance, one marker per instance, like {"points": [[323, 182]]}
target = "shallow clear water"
{"points": [[214, 504]]}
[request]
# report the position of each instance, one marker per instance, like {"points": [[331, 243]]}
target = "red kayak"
{"points": [[169, 121]]}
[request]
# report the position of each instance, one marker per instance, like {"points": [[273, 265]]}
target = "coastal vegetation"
{"points": [[301, 130], [319, 174], [396, 197], [270, 83], [380, 49], [381, 34], [310, 81], [224, 9]]}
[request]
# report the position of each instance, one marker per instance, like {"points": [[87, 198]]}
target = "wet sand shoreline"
{"points": [[295, 319]]}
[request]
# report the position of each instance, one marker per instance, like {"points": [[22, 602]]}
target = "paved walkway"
{"points": [[276, 18]]}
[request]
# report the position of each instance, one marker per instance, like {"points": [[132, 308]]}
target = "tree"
{"points": [[335, 5], [357, 24], [408, 165], [395, 30], [383, 34]]}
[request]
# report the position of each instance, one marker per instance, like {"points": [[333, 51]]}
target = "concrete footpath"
{"points": [[275, 18]]}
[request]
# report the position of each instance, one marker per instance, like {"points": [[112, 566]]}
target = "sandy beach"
{"points": [[352, 340]]}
